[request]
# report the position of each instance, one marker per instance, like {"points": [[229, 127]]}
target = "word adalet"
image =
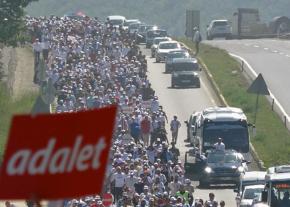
{"points": [[51, 161]]}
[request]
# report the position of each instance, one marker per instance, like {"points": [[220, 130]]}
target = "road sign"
{"points": [[47, 92], [259, 86], [192, 20], [108, 199], [63, 151]]}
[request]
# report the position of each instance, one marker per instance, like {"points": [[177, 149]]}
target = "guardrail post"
{"points": [[243, 66], [273, 103], [285, 121]]}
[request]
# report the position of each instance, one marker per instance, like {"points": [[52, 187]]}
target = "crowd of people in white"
{"points": [[92, 65]]}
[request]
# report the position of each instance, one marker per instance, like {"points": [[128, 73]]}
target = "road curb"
{"points": [[214, 85], [223, 102]]}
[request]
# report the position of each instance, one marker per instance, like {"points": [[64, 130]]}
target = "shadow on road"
{"points": [[182, 87]]}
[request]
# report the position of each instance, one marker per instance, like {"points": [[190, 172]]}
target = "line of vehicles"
{"points": [[271, 187], [246, 23], [184, 69], [204, 127]]}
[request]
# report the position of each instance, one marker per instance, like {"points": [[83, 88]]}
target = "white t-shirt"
{"points": [[174, 125], [130, 181], [220, 147], [119, 179]]}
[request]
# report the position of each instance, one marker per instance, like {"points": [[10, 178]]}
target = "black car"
{"points": [[151, 34], [185, 72], [172, 55], [223, 167]]}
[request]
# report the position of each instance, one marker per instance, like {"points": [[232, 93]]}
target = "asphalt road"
{"points": [[182, 102], [271, 57]]}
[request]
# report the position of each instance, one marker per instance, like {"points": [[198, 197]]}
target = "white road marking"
{"points": [[287, 55], [275, 51], [208, 93], [265, 48], [271, 94], [256, 46], [247, 44], [281, 53]]}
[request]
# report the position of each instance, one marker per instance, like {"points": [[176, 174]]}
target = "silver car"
{"points": [[219, 28]]}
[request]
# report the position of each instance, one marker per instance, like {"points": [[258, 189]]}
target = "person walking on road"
{"points": [[145, 130], [197, 39], [175, 152], [174, 127]]}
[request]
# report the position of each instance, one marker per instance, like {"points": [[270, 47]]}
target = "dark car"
{"points": [[151, 34], [141, 35], [185, 72], [223, 167], [172, 55]]}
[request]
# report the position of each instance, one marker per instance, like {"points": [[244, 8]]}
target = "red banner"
{"points": [[57, 156]]}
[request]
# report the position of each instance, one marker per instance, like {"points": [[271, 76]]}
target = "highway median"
{"points": [[272, 140]]}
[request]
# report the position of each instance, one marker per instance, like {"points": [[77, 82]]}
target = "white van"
{"points": [[248, 179], [116, 20]]}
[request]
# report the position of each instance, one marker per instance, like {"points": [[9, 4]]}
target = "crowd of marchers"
{"points": [[92, 65]]}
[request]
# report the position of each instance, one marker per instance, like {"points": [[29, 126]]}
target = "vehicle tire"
{"points": [[147, 46], [198, 84], [172, 85], [245, 149], [203, 184], [157, 60], [228, 37]]}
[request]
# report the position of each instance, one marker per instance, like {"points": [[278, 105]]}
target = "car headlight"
{"points": [[208, 170]]}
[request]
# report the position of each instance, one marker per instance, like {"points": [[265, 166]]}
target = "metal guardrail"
{"points": [[223, 102], [275, 104]]}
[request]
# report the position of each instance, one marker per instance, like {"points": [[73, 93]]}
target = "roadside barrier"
{"points": [[223, 102]]}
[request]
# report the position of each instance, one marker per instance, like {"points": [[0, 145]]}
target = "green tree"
{"points": [[11, 20]]}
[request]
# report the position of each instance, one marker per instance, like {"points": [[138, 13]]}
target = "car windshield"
{"points": [[116, 21], [156, 33], [168, 46], [176, 55], [134, 26], [280, 192], [233, 135], [157, 41], [222, 157], [187, 66], [251, 193], [129, 23], [221, 23]]}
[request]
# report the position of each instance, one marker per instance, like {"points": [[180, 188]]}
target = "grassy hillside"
{"points": [[168, 13]]}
